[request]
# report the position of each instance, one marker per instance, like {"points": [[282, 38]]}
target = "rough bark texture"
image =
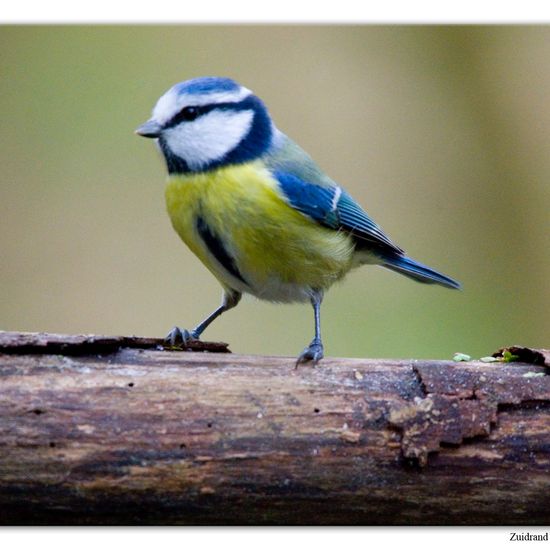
{"points": [[148, 436]]}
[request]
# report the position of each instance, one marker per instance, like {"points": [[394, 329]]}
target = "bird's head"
{"points": [[208, 122]]}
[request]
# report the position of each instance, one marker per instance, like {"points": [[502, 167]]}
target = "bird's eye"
{"points": [[189, 113]]}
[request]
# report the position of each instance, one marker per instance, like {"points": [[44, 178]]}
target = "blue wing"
{"points": [[307, 189], [334, 208], [310, 191]]}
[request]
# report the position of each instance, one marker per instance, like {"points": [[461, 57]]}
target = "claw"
{"points": [[179, 338], [313, 353]]}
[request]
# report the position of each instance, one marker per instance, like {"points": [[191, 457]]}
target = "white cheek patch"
{"points": [[209, 137], [172, 101]]}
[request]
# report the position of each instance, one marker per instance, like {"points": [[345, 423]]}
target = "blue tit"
{"points": [[256, 209]]}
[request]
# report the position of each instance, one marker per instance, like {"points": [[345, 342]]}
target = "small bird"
{"points": [[256, 209]]}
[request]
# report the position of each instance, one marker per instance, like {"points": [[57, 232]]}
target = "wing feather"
{"points": [[307, 189]]}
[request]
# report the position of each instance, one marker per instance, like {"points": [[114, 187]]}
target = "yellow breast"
{"points": [[279, 252]]}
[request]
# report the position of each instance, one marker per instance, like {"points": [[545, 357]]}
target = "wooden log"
{"points": [[147, 436]]}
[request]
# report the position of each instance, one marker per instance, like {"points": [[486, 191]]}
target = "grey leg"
{"points": [[181, 336], [314, 352]]}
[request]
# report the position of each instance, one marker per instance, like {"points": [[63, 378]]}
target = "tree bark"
{"points": [[97, 430]]}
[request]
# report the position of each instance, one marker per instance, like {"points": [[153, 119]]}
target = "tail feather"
{"points": [[419, 272]]}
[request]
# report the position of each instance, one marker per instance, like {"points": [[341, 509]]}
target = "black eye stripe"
{"points": [[188, 114], [200, 110]]}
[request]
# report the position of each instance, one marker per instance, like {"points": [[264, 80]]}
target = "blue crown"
{"points": [[207, 85]]}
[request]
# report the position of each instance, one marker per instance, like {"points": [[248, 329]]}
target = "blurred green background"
{"points": [[441, 132]]}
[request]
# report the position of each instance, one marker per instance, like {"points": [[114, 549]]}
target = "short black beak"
{"points": [[149, 129]]}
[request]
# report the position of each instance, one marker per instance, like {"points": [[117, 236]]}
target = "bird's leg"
{"points": [[179, 336], [314, 352]]}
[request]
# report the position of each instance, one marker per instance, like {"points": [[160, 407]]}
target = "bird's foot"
{"points": [[313, 353], [178, 337]]}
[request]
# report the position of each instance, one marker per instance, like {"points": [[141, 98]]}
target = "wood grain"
{"points": [[149, 436]]}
